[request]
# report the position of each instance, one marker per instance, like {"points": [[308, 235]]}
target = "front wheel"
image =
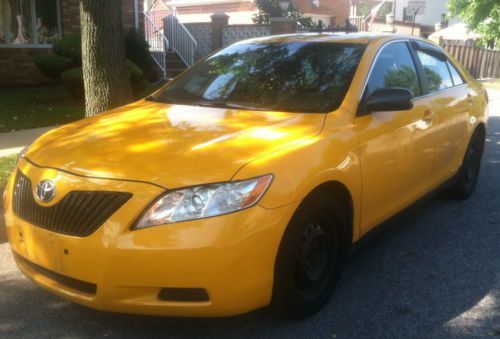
{"points": [[468, 174], [310, 258]]}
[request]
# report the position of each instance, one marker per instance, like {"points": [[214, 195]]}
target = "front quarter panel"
{"points": [[307, 164]]}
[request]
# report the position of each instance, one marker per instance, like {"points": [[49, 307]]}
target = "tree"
{"points": [[482, 16], [271, 9], [105, 76]]}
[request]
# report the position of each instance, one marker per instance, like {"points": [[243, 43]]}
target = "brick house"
{"points": [[330, 12], [29, 27]]}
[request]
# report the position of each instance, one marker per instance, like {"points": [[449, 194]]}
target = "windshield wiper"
{"points": [[226, 104]]}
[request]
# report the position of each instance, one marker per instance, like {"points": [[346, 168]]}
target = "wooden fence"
{"points": [[482, 63]]}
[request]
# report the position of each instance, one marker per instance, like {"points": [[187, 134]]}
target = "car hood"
{"points": [[170, 145]]}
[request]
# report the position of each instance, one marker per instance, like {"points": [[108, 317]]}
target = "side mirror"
{"points": [[389, 99]]}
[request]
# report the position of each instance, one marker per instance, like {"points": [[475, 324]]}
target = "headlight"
{"points": [[204, 201]]}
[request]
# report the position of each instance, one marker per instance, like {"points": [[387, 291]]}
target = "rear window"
{"points": [[293, 76], [457, 78], [436, 72]]}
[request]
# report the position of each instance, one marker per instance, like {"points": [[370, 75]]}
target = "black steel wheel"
{"points": [[468, 174], [310, 257]]}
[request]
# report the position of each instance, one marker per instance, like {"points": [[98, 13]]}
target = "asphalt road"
{"points": [[434, 273]]}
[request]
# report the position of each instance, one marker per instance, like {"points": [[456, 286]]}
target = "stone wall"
{"points": [[235, 33], [202, 33]]}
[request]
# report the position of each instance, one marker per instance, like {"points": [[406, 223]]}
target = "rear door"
{"points": [[396, 147], [451, 102]]}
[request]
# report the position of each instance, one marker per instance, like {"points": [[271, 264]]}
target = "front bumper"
{"points": [[231, 257]]}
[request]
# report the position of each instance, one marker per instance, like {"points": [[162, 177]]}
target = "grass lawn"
{"points": [[24, 108], [6, 166]]}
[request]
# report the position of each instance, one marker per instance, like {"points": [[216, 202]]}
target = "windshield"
{"points": [[292, 76]]}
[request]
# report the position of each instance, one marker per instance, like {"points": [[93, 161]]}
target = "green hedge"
{"points": [[52, 65], [65, 63], [73, 81], [69, 46], [137, 50]]}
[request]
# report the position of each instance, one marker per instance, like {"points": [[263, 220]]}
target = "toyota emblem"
{"points": [[45, 191]]}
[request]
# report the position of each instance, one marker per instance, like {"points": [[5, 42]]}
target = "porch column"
{"points": [[219, 20]]}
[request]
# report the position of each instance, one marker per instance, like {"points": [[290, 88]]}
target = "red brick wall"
{"points": [[17, 67], [16, 64], [70, 11]]}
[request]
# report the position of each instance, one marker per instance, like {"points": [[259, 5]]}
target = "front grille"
{"points": [[79, 213]]}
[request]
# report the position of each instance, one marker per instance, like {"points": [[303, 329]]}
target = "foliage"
{"points": [[73, 80], [136, 77], [137, 50], [404, 77], [271, 8], [482, 16], [52, 65], [69, 46], [363, 8], [385, 10], [6, 166], [67, 59], [433, 79]]}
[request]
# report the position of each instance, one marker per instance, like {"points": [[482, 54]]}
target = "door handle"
{"points": [[428, 116], [469, 98]]}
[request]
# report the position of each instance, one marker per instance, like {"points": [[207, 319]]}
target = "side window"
{"points": [[436, 72], [394, 67], [457, 78]]}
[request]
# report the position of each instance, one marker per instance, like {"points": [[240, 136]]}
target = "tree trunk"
{"points": [[105, 76]]}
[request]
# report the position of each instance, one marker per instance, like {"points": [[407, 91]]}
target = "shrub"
{"points": [[137, 50], [136, 77], [73, 81], [52, 65], [69, 46]]}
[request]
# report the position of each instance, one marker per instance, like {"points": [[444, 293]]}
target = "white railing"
{"points": [[181, 40], [359, 22], [154, 32]]}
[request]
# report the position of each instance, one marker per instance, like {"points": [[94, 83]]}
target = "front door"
{"points": [[396, 148]]}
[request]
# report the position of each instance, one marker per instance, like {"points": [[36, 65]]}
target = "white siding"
{"points": [[432, 15]]}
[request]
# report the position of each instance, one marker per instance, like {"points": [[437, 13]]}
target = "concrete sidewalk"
{"points": [[14, 142]]}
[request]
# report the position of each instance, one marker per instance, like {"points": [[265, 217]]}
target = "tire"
{"points": [[310, 257], [467, 176]]}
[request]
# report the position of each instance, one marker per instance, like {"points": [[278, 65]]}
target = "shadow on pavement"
{"points": [[436, 273]]}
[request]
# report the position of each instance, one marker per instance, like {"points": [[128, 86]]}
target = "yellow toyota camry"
{"points": [[244, 181]]}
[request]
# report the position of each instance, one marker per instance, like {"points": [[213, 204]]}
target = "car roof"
{"points": [[359, 38]]}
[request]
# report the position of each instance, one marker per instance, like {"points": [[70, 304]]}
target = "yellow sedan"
{"points": [[244, 181]]}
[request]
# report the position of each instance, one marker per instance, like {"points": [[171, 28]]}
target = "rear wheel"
{"points": [[310, 257], [468, 174]]}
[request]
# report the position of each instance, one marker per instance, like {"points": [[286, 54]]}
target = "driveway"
{"points": [[434, 273]]}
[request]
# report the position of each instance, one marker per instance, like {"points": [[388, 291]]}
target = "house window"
{"points": [[407, 17], [29, 23]]}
